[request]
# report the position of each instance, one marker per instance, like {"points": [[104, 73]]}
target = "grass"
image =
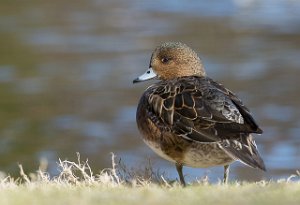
{"points": [[77, 184]]}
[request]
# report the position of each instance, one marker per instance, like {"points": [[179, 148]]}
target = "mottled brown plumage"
{"points": [[192, 120]]}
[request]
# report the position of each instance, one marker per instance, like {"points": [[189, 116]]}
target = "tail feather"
{"points": [[245, 150]]}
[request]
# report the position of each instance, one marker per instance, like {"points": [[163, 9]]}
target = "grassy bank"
{"points": [[273, 193], [43, 193], [76, 184]]}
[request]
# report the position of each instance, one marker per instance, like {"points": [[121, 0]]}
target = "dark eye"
{"points": [[165, 60]]}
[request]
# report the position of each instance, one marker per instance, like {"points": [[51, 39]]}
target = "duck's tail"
{"points": [[245, 150]]}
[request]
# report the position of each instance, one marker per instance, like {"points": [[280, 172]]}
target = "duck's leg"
{"points": [[226, 174], [179, 170]]}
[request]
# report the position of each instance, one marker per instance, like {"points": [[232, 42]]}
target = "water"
{"points": [[66, 71]]}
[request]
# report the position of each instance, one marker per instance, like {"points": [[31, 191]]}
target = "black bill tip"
{"points": [[137, 80]]}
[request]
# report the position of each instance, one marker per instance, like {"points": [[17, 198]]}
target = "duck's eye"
{"points": [[165, 60]]}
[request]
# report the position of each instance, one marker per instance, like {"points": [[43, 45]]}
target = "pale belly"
{"points": [[197, 155]]}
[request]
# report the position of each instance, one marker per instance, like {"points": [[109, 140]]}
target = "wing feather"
{"points": [[200, 109]]}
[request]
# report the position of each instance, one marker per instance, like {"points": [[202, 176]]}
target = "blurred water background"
{"points": [[66, 71]]}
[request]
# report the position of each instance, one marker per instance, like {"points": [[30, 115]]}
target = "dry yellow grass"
{"points": [[77, 184]]}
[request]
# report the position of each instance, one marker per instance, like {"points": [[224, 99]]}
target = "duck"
{"points": [[191, 120]]}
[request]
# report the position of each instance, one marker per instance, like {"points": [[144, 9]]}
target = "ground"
{"points": [[76, 184]]}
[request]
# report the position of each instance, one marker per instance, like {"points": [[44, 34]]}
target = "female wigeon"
{"points": [[191, 120]]}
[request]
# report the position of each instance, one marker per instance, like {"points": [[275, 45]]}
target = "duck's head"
{"points": [[172, 60]]}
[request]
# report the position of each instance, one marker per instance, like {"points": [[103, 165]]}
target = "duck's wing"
{"points": [[243, 110], [200, 109]]}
